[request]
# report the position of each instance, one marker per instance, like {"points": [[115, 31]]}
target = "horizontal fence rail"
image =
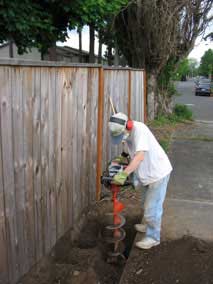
{"points": [[54, 143]]}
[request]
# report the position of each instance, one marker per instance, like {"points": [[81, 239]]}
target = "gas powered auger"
{"points": [[116, 233]]}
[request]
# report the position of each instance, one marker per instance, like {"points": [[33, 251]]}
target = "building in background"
{"points": [[58, 53]]}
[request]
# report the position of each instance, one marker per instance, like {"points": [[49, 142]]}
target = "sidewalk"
{"points": [[189, 203]]}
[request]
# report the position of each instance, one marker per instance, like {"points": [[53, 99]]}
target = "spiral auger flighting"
{"points": [[114, 234], [118, 234]]}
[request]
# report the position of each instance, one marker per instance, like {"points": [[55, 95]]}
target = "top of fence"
{"points": [[43, 63], [121, 68], [33, 63]]}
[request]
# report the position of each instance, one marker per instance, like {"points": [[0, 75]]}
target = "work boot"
{"points": [[147, 243], [141, 228]]}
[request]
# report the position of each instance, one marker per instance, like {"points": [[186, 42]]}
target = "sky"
{"points": [[201, 46], [199, 49], [73, 40]]}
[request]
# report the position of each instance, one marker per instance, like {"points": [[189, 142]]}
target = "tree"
{"points": [[206, 64], [153, 33], [79, 30], [34, 23], [97, 14], [186, 67], [193, 67], [38, 23], [183, 68]]}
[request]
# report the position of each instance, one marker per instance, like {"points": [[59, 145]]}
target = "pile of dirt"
{"points": [[184, 261]]}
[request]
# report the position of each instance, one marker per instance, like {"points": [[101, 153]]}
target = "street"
{"points": [[201, 106]]}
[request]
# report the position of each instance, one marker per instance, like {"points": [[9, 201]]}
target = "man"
{"points": [[152, 168]]}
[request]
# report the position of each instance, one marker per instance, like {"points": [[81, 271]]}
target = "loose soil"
{"points": [[184, 261], [85, 260]]}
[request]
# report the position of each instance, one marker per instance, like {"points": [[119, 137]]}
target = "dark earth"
{"points": [[184, 261], [85, 260]]}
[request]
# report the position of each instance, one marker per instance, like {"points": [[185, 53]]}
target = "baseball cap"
{"points": [[117, 127]]}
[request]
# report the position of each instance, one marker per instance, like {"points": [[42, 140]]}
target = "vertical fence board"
{"points": [[66, 108], [99, 133], [3, 234], [94, 127], [74, 149], [28, 102], [79, 137], [91, 130], [8, 172], [70, 78], [64, 145], [37, 161], [79, 92], [59, 84], [17, 105], [107, 112], [81, 89], [44, 160], [129, 94], [137, 100], [144, 96], [83, 109], [70, 165], [132, 95], [51, 158]]}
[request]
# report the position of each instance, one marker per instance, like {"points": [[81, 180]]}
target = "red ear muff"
{"points": [[129, 125]]}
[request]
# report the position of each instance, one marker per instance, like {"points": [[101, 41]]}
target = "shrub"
{"points": [[182, 112]]}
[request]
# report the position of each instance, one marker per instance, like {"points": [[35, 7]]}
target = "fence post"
{"points": [[129, 94], [145, 96], [99, 133]]}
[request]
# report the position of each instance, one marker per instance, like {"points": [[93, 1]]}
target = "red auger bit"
{"points": [[116, 234]]}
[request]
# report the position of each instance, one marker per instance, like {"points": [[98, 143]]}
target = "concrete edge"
{"points": [[204, 121]]}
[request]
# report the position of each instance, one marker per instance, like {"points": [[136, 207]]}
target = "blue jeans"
{"points": [[153, 198]]}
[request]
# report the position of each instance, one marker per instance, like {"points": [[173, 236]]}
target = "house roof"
{"points": [[68, 50], [64, 49]]}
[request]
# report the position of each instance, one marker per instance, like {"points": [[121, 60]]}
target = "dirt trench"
{"points": [[85, 260]]}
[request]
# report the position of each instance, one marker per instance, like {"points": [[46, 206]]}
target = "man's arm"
{"points": [[138, 158]]}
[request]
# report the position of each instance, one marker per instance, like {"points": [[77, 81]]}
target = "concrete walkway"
{"points": [[189, 203], [188, 209]]}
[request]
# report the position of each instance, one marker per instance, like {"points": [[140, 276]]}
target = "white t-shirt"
{"points": [[156, 164]]}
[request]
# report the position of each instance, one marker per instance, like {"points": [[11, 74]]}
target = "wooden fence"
{"points": [[54, 143]]}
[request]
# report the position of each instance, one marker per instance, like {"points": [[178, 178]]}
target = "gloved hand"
{"points": [[120, 178]]}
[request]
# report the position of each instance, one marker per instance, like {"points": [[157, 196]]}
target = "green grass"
{"points": [[164, 125], [181, 113]]}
